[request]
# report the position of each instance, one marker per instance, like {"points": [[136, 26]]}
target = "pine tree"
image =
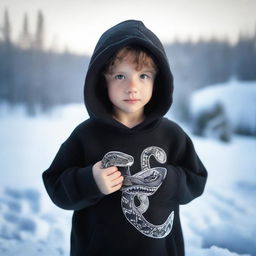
{"points": [[39, 38], [7, 90], [25, 37], [6, 30]]}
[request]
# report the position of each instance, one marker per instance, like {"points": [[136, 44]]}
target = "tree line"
{"points": [[208, 62], [40, 78], [36, 77]]}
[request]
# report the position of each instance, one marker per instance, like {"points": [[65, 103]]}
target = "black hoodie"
{"points": [[157, 157]]}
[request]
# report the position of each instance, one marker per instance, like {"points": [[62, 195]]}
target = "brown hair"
{"points": [[140, 56]]}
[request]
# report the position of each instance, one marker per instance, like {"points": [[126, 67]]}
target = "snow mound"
{"points": [[25, 229], [213, 251], [238, 100]]}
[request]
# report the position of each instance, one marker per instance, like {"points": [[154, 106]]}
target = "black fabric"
{"points": [[99, 226]]}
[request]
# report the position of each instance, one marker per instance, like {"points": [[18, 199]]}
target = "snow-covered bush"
{"points": [[212, 122], [221, 109]]}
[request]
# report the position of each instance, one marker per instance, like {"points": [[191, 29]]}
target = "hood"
{"points": [[95, 92]]}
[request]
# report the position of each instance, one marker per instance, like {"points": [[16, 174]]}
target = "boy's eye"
{"points": [[144, 76], [119, 77]]}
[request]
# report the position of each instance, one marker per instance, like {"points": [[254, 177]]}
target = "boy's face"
{"points": [[129, 89]]}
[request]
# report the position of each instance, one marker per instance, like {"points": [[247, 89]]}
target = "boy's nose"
{"points": [[132, 86]]}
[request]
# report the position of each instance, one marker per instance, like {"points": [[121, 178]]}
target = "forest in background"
{"points": [[41, 78]]}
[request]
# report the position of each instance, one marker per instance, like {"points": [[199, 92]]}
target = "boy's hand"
{"points": [[108, 180]]}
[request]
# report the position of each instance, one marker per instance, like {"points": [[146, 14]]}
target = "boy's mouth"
{"points": [[131, 100]]}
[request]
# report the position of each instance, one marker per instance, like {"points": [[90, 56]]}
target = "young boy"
{"points": [[126, 169]]}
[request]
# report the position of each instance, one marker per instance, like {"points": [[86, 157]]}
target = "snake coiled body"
{"points": [[141, 185]]}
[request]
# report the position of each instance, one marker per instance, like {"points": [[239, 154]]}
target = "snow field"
{"points": [[221, 222]]}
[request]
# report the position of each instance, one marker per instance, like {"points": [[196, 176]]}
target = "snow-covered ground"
{"points": [[222, 222]]}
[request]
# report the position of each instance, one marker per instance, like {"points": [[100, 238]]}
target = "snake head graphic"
{"points": [[146, 181], [116, 158]]}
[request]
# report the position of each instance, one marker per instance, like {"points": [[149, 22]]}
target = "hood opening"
{"points": [[95, 91]]}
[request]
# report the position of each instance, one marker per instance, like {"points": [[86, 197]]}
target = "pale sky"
{"points": [[78, 24]]}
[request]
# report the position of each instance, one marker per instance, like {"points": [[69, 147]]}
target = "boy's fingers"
{"points": [[110, 170], [117, 182], [115, 175], [117, 187]]}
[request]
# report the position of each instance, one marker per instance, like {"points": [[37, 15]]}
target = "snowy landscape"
{"points": [[222, 222]]}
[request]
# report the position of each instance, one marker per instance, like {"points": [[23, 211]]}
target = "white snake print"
{"points": [[141, 185]]}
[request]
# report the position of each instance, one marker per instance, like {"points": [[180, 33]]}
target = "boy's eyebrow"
{"points": [[117, 71], [152, 71], [148, 70], [141, 70]]}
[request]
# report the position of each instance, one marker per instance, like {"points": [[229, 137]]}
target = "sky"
{"points": [[77, 25]]}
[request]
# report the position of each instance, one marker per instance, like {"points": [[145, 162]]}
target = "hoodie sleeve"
{"points": [[187, 175], [69, 184]]}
